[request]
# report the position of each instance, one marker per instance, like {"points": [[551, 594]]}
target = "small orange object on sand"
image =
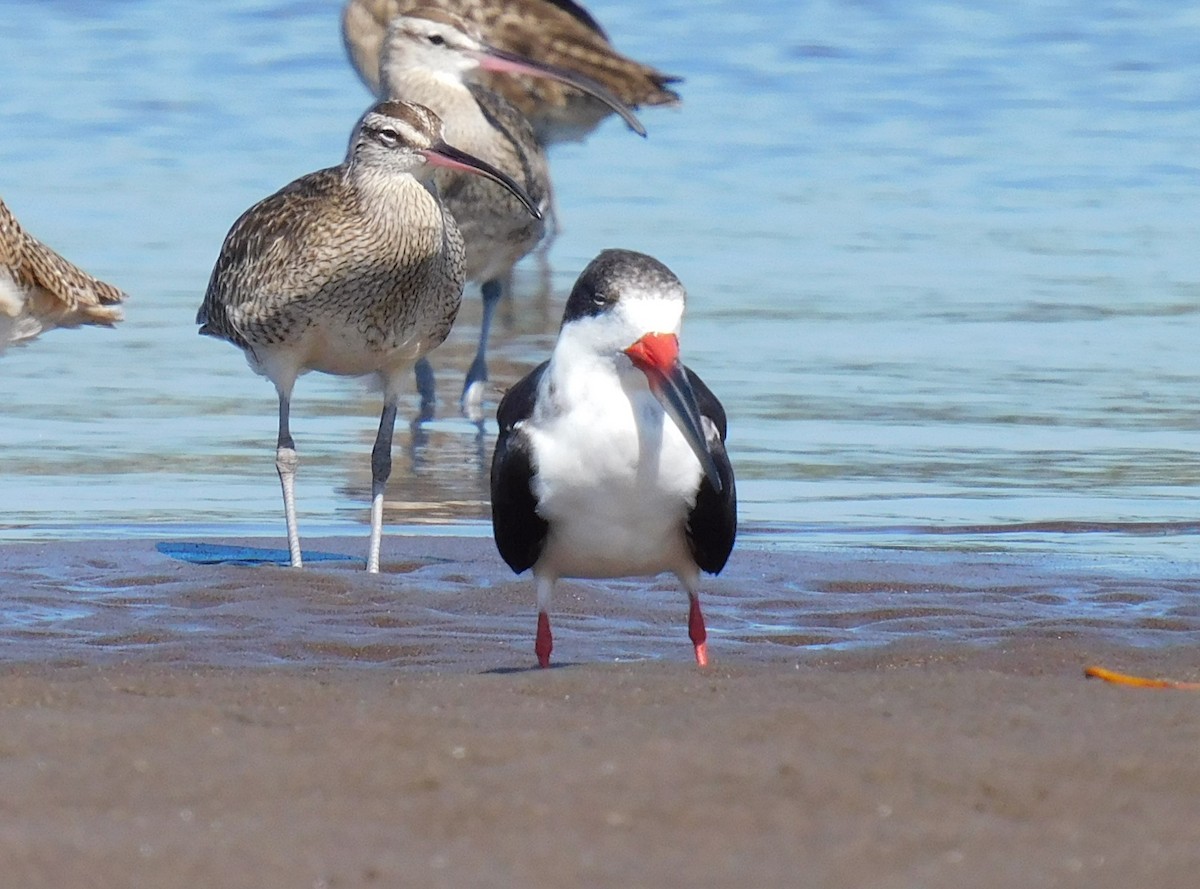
{"points": [[1138, 681]]}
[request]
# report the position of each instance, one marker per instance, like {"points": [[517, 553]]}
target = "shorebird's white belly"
{"points": [[17, 323], [336, 350], [340, 349], [11, 300], [615, 492]]}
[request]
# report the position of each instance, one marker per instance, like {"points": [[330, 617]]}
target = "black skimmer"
{"points": [[353, 270], [611, 457]]}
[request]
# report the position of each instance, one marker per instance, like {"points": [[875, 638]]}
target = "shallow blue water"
{"points": [[941, 259]]}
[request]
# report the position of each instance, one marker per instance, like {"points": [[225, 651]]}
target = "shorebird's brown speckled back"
{"points": [[40, 290]]}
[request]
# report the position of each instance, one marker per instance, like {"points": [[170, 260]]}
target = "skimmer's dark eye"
{"points": [[591, 298], [389, 137], [437, 39]]}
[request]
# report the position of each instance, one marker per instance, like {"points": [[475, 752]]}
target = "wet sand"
{"points": [[440, 760]]}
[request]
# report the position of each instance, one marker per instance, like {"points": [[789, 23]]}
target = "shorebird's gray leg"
{"points": [[286, 462], [426, 386], [381, 468], [472, 395]]}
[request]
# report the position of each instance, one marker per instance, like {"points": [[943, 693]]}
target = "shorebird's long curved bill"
{"points": [[657, 356], [493, 59], [443, 155]]}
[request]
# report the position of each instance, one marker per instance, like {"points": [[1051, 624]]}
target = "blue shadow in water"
{"points": [[219, 554]]}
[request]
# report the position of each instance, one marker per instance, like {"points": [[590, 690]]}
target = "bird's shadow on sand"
{"points": [[224, 554], [508, 671]]}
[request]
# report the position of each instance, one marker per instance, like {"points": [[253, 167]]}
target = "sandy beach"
{"points": [[219, 756], [909, 768]]}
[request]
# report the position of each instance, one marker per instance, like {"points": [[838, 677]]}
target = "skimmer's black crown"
{"points": [[615, 274]]}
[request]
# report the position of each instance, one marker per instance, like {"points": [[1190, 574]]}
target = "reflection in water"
{"points": [[445, 481]]}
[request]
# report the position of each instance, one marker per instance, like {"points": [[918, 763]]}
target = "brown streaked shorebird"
{"points": [[428, 58], [352, 270], [39, 290], [556, 32]]}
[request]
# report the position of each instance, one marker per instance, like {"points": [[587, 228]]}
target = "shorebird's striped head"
{"points": [[394, 133], [429, 40], [397, 138], [432, 42]]}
